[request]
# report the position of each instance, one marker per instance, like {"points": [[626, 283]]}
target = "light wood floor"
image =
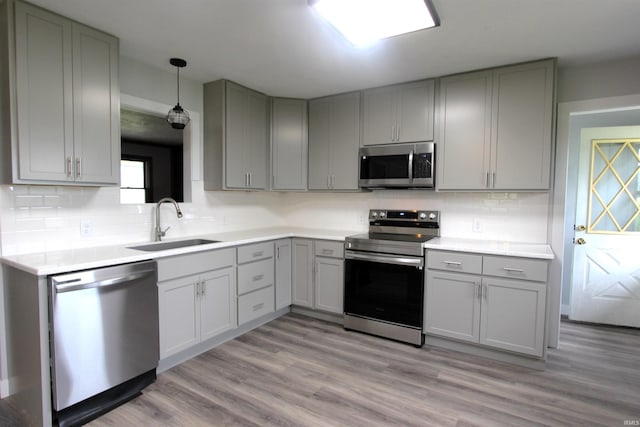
{"points": [[297, 371]]}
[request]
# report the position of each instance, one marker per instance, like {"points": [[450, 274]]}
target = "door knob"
{"points": [[579, 241], [579, 227]]}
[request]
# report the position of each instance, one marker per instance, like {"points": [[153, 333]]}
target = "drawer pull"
{"points": [[258, 254], [258, 277], [513, 270], [453, 263], [258, 306], [327, 251]]}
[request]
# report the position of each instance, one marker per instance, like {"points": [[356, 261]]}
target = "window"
{"points": [[133, 182]]}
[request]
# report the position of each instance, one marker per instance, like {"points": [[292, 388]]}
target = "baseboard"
{"points": [[321, 315], [501, 356], [4, 388]]}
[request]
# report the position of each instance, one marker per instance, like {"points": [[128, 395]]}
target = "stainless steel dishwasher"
{"points": [[104, 338]]}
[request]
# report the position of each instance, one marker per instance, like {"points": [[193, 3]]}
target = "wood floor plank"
{"points": [[298, 371]]}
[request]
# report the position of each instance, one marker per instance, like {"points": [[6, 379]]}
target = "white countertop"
{"points": [[55, 262], [491, 247]]}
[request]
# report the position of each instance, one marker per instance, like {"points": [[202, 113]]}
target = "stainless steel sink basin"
{"points": [[161, 246]]}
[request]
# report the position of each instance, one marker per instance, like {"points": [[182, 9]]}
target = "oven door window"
{"points": [[384, 167], [387, 292]]}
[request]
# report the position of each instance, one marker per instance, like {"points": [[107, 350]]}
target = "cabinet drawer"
{"points": [[255, 304], [255, 252], [255, 275], [454, 261], [329, 249], [515, 268], [194, 263]]}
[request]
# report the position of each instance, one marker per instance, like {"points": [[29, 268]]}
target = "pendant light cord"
{"points": [[178, 84]]}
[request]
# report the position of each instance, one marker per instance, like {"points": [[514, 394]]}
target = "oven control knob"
{"points": [[423, 215], [432, 215], [374, 214], [382, 214]]}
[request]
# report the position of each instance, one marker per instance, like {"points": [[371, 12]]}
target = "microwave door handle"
{"points": [[411, 166]]}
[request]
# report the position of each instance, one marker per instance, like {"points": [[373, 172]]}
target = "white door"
{"points": [[606, 266]]}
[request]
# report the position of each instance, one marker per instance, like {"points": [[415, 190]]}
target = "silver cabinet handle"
{"points": [[479, 291], [258, 254], [486, 180], [78, 167], [258, 306], [69, 167], [258, 277], [453, 263], [513, 270], [493, 179], [327, 251]]}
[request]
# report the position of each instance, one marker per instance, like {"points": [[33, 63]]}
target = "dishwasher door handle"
{"points": [[79, 283]]}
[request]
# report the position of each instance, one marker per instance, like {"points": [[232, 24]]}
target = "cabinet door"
{"points": [[329, 284], [465, 132], [378, 120], [96, 106], [513, 315], [452, 305], [345, 141], [302, 272], [414, 111], [217, 302], [179, 310], [257, 137], [289, 144], [44, 95], [522, 126], [235, 140], [283, 273], [319, 142]]}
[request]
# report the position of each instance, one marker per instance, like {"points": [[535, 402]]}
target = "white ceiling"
{"points": [[281, 47]]}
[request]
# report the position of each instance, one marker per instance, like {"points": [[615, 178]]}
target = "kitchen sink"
{"points": [[161, 246]]}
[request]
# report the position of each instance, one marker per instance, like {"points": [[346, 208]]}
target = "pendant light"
{"points": [[177, 116]]}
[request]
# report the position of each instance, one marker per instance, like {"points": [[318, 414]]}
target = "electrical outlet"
{"points": [[476, 227], [86, 228]]}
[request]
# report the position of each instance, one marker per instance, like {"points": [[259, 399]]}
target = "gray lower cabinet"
{"points": [[66, 100], [196, 297], [289, 144], [334, 140], [235, 151], [283, 273], [491, 300], [318, 274], [302, 272], [329, 276], [504, 138], [256, 276]]}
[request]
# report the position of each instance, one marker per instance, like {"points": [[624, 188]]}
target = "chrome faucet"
{"points": [[160, 233]]}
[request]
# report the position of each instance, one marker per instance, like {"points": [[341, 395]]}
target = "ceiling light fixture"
{"points": [[177, 116], [363, 22]]}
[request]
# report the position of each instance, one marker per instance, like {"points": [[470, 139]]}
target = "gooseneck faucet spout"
{"points": [[160, 233]]}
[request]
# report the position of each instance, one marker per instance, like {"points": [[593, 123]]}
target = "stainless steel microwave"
{"points": [[398, 166]]}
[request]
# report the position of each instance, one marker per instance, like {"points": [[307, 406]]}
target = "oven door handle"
{"points": [[386, 259]]}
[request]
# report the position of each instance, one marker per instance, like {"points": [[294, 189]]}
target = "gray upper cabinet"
{"points": [[235, 137], [66, 99], [397, 114], [289, 146], [334, 139], [503, 139]]}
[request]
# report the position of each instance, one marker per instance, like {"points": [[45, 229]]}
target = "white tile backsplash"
{"points": [[43, 218]]}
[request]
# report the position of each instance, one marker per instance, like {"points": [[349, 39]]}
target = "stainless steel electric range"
{"points": [[384, 274]]}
